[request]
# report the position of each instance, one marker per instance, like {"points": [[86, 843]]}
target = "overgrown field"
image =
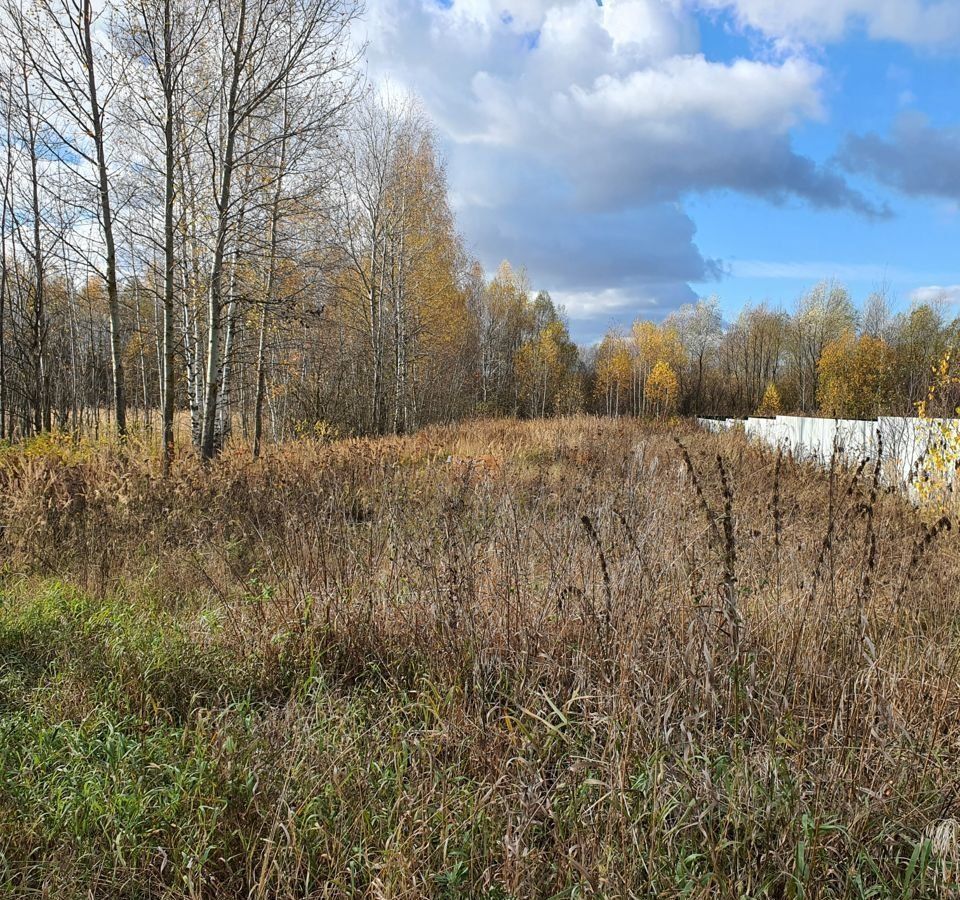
{"points": [[559, 659]]}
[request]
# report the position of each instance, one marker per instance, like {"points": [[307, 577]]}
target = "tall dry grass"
{"points": [[557, 659]]}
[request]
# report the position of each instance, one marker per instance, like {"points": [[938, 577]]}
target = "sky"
{"points": [[635, 155]]}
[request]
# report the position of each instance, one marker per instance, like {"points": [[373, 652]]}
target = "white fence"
{"points": [[903, 442]]}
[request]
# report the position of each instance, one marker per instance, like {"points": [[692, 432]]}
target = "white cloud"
{"points": [[936, 293], [740, 96], [573, 131], [588, 305], [616, 98], [815, 271], [591, 313], [918, 22]]}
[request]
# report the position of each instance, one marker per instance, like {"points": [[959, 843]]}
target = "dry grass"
{"points": [[557, 659]]}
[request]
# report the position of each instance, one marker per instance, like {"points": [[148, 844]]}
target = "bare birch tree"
{"points": [[66, 48]]}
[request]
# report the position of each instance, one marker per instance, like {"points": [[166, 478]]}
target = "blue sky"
{"points": [[638, 155]]}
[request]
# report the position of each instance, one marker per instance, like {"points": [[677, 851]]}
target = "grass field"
{"points": [[572, 658]]}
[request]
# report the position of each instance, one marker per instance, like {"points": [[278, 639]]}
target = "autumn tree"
{"points": [[426, 302], [159, 38], [261, 46], [547, 363], [37, 230], [920, 339], [661, 389], [854, 376], [64, 42], [822, 316], [402, 290], [877, 317], [614, 373], [506, 322], [652, 344], [700, 329], [770, 405], [752, 354]]}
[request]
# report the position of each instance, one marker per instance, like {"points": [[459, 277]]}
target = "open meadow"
{"points": [[566, 658]]}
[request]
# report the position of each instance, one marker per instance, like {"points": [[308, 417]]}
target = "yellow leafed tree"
{"points": [[662, 389], [614, 372], [854, 376], [770, 405], [653, 344], [546, 368], [934, 483]]}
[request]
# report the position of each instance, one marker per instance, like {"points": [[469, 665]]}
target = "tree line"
{"points": [[825, 357], [211, 227], [207, 215]]}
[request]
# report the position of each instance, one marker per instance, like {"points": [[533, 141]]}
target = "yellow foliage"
{"points": [[854, 376], [654, 344], [546, 369], [662, 388], [614, 364], [61, 448], [321, 431], [934, 482], [770, 405]]}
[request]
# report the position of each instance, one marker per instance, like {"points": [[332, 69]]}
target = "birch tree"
{"points": [[162, 36], [263, 46], [65, 47]]}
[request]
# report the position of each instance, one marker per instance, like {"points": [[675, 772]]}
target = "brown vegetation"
{"points": [[567, 658]]}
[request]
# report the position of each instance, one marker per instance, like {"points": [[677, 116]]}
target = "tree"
{"points": [[78, 69], [546, 363], [770, 405], [877, 317], [823, 315], [400, 285], [919, 340], [614, 368], [263, 44], [753, 354], [652, 344], [700, 328], [506, 321], [662, 389], [854, 376], [160, 38], [425, 301], [37, 225]]}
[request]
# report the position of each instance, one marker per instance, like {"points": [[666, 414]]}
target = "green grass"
{"points": [[128, 767], [126, 761]]}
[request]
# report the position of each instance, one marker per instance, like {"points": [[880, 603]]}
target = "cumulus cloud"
{"points": [[617, 98], [917, 158], [930, 23], [573, 131], [604, 265], [936, 293], [640, 299], [653, 243]]}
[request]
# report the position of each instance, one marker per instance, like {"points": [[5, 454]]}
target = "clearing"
{"points": [[567, 658]]}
